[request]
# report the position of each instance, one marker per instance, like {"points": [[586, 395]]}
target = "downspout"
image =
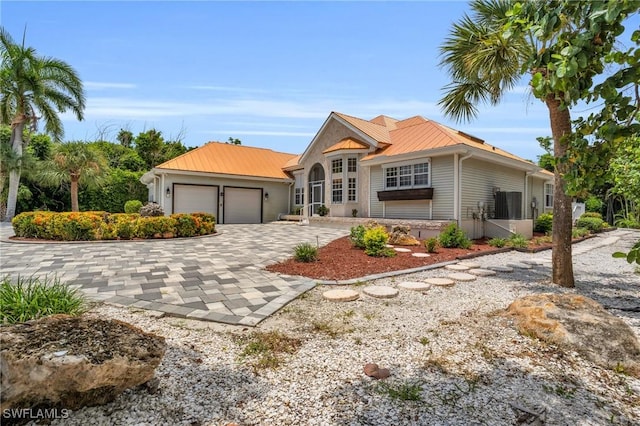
{"points": [[289, 202], [525, 201], [458, 187]]}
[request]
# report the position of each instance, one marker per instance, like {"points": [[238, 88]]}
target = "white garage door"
{"points": [[195, 198], [242, 205]]}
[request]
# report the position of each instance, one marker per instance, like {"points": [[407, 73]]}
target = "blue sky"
{"points": [[268, 73]]}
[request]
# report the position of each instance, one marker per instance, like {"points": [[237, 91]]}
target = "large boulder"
{"points": [[578, 323], [71, 362], [400, 236]]}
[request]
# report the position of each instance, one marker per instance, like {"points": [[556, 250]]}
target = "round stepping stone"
{"points": [[457, 267], [482, 272], [381, 292], [341, 295], [402, 250], [388, 246], [470, 264], [501, 268], [415, 285], [440, 282], [519, 265], [420, 254], [462, 276], [534, 262]]}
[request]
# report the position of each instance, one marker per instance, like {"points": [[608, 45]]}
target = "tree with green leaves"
{"points": [[76, 163], [33, 88], [234, 141], [561, 46]]}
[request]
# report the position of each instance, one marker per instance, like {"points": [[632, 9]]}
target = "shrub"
{"points": [[186, 225], [306, 252], [375, 242], [357, 236], [354, 213], [592, 214], [151, 209], [154, 227], [323, 210], [544, 223], [35, 297], [627, 223], [454, 237], [431, 244], [77, 226], [593, 204], [579, 232], [518, 241], [497, 242], [132, 206], [593, 224]]}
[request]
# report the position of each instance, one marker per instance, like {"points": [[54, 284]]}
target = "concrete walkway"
{"points": [[217, 278]]}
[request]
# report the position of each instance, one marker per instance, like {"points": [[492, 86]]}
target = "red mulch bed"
{"points": [[339, 260]]}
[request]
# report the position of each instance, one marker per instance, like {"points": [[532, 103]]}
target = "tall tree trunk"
{"points": [[14, 174], [74, 194], [562, 263]]}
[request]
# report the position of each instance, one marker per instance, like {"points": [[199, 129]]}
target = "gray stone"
{"points": [[74, 361], [402, 250], [519, 265], [499, 268], [469, 264], [420, 255]]}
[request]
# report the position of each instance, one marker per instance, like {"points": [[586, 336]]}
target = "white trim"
{"points": [[328, 155], [407, 162], [220, 175], [410, 164]]}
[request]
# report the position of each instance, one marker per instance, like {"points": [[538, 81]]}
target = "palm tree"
{"points": [[76, 163], [484, 64], [33, 87]]}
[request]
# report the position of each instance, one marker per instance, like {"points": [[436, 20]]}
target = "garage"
{"points": [[242, 205], [195, 198]]}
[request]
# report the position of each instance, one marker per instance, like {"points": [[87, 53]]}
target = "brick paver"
{"points": [[217, 278]]}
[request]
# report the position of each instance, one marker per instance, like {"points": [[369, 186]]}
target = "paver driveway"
{"points": [[217, 278]]}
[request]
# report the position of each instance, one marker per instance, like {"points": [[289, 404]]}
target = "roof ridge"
{"points": [[358, 118]]}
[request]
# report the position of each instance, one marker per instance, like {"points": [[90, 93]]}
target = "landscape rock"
{"points": [[400, 235], [71, 362], [372, 370], [578, 323]]}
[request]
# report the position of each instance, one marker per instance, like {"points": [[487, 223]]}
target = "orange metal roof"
{"points": [[293, 163], [416, 134], [378, 132], [346, 143], [224, 158]]}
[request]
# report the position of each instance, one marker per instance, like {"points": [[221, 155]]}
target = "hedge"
{"points": [[87, 226]]}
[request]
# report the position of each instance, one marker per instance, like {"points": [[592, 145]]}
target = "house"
{"points": [[384, 168]]}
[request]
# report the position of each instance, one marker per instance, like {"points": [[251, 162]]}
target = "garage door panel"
{"points": [[195, 198], [242, 205]]}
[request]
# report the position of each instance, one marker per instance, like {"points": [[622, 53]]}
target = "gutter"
{"points": [[457, 185]]}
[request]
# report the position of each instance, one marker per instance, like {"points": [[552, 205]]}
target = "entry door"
{"points": [[316, 197]]}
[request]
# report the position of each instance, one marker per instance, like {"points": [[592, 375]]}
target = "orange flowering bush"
{"points": [[84, 226]]}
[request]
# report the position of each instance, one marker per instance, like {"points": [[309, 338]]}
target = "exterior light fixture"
{"points": [[168, 192], [266, 196]]}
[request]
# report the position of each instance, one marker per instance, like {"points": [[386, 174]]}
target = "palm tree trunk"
{"points": [[562, 263], [14, 174], [74, 195]]}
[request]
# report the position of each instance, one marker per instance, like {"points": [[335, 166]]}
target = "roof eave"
{"points": [[220, 175]]}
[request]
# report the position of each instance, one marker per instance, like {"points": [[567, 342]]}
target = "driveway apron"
{"points": [[217, 278]]}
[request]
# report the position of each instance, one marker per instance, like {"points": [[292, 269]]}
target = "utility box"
{"points": [[508, 205]]}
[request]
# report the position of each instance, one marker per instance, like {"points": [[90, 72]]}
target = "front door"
{"points": [[316, 197]]}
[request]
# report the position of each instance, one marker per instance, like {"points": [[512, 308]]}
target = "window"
{"points": [[351, 189], [336, 191], [299, 190], [408, 176], [392, 177], [548, 195], [352, 165], [336, 165]]}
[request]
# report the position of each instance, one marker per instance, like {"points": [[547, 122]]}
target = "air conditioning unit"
{"points": [[508, 205]]}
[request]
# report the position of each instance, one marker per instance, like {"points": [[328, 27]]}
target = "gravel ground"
{"points": [[454, 358]]}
